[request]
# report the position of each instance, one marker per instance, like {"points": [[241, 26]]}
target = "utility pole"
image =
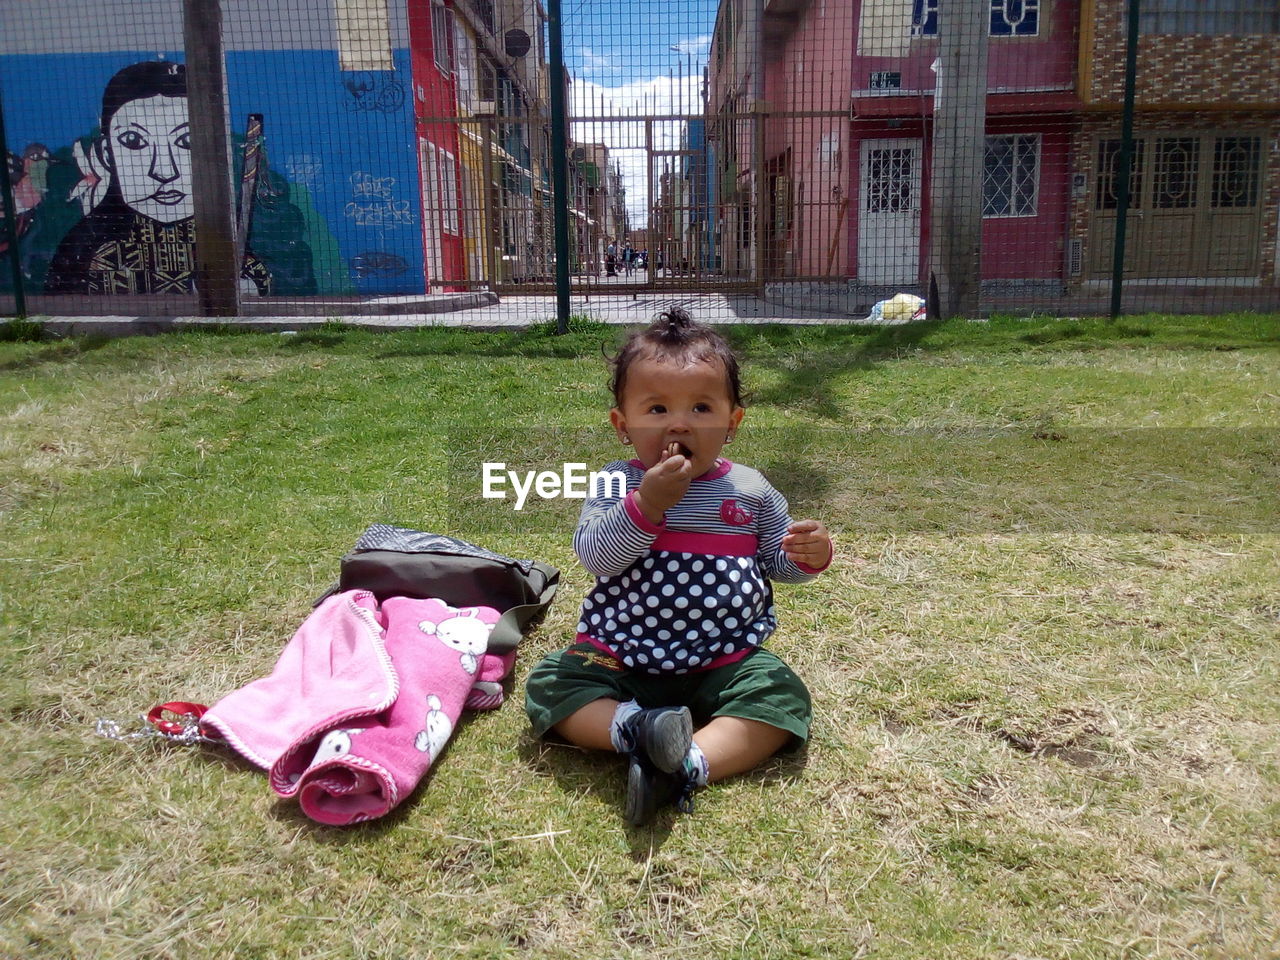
{"points": [[959, 129], [217, 271], [559, 163]]}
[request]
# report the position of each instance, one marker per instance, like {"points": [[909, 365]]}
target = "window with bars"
{"points": [[1237, 167], [891, 180], [442, 180], [1175, 169], [1107, 196], [1010, 175], [1214, 17], [442, 37], [486, 83], [449, 192], [1009, 18]]}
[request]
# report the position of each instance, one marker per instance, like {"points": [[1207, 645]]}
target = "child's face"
{"points": [[666, 401]]}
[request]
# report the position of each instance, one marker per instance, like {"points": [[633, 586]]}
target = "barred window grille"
{"points": [[1015, 18], [445, 174], [890, 180], [924, 18], [1009, 18], [1177, 163], [1237, 165], [1011, 176], [1107, 196], [464, 66]]}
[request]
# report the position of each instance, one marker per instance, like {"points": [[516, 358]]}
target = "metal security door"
{"points": [[889, 212]]}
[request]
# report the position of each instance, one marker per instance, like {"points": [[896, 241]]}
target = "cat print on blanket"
{"points": [[439, 727], [336, 743], [464, 632]]}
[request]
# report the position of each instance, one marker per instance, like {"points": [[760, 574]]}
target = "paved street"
{"points": [[628, 308]]}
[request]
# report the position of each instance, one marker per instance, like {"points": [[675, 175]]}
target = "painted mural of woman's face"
{"points": [[151, 151]]}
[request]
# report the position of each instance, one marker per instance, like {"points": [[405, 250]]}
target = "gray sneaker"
{"points": [[661, 735]]}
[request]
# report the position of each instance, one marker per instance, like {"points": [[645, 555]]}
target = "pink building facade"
{"points": [[1032, 111], [847, 90]]}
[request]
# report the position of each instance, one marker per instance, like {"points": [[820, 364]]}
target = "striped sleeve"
{"points": [[612, 533], [774, 519]]}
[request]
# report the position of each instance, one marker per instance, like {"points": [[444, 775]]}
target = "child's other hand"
{"points": [[808, 542], [664, 485]]}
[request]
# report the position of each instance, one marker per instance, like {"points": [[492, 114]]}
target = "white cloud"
{"points": [[624, 109], [595, 63]]}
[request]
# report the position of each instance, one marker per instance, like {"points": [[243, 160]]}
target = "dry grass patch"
{"points": [[1044, 687]]}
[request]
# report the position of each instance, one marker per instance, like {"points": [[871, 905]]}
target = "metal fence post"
{"points": [[651, 260], [11, 224], [1125, 160], [559, 163], [491, 203], [760, 196]]}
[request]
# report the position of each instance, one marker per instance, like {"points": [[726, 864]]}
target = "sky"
{"points": [[633, 60]]}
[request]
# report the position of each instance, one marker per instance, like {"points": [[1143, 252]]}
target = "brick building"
{"points": [[849, 197], [1205, 186]]}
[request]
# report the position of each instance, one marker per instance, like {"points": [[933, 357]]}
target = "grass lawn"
{"points": [[1044, 665]]}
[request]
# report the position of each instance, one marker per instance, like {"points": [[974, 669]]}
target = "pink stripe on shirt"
{"points": [[714, 544], [722, 661]]}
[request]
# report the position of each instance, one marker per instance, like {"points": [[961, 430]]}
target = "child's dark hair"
{"points": [[674, 335]]}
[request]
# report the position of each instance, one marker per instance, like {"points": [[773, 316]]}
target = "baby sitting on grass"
{"points": [[668, 665]]}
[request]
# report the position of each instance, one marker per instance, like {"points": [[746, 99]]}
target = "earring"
{"points": [[626, 440], [729, 438]]}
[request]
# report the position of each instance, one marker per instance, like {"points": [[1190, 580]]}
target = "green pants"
{"points": [[759, 687]]}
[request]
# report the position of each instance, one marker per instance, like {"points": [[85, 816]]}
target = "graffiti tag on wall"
{"points": [[374, 204], [368, 91], [378, 263], [304, 169]]}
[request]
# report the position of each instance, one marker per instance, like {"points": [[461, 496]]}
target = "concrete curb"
{"points": [[377, 307], [150, 326]]}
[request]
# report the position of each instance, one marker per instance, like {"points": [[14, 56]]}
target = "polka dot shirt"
{"points": [[693, 592]]}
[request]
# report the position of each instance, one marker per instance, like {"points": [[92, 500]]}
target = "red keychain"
{"points": [[178, 708]]}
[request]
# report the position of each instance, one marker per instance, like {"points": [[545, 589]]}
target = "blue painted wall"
{"points": [[339, 211]]}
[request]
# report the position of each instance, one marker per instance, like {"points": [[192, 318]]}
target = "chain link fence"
{"points": [[762, 158]]}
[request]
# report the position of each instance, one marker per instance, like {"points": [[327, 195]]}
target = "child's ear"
{"points": [[619, 422], [735, 418]]}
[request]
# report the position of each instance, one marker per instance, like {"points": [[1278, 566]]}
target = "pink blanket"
{"points": [[362, 701]]}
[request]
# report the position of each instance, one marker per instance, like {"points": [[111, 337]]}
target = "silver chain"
{"points": [[190, 731]]}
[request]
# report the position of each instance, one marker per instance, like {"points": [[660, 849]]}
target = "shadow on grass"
{"points": [[576, 769], [828, 352], [804, 384], [806, 485], [60, 351], [754, 343], [289, 811]]}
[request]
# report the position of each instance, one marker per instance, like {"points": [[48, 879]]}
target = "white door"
{"points": [[889, 212], [432, 261]]}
